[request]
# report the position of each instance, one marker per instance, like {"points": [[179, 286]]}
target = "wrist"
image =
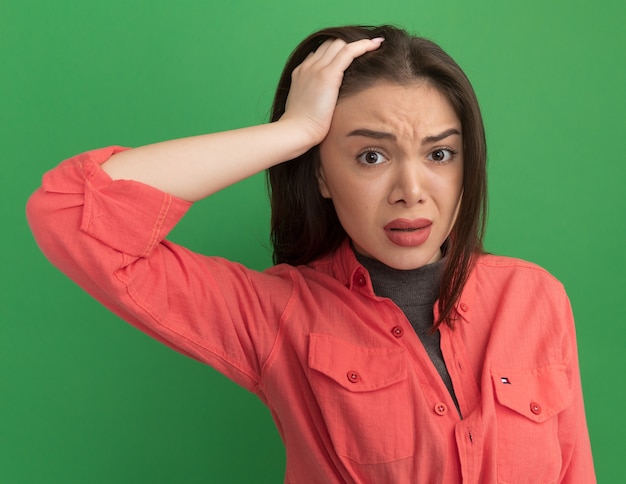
{"points": [[301, 135]]}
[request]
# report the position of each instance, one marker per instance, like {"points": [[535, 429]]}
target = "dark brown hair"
{"points": [[305, 226]]}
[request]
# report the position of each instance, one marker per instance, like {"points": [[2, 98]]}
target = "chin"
{"points": [[401, 258], [407, 262]]}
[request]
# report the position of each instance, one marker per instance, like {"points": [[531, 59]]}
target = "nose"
{"points": [[407, 185]]}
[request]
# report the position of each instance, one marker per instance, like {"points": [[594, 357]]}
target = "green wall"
{"points": [[87, 399]]}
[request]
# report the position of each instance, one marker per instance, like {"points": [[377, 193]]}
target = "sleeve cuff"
{"points": [[128, 216]]}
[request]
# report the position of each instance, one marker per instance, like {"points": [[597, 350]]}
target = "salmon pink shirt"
{"points": [[351, 388]]}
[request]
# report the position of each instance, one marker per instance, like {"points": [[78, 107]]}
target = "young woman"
{"points": [[388, 347]]}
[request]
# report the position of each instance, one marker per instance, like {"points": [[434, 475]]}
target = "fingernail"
{"points": [[378, 39]]}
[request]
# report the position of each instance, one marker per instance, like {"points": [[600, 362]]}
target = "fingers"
{"points": [[351, 51], [316, 83], [341, 53], [323, 54], [329, 49]]}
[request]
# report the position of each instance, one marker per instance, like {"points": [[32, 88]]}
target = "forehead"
{"points": [[415, 110]]}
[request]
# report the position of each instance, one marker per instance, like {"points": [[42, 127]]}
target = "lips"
{"points": [[408, 233], [408, 225]]}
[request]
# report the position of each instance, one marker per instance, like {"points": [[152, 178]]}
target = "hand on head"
{"points": [[315, 83]]}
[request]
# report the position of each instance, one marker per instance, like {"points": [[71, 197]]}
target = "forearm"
{"points": [[196, 167]]}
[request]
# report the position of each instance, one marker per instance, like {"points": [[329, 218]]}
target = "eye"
{"points": [[371, 157], [441, 155]]}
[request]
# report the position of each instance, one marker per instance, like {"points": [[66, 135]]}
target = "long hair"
{"points": [[305, 226]]}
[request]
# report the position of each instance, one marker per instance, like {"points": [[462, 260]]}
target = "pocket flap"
{"points": [[537, 394], [356, 368]]}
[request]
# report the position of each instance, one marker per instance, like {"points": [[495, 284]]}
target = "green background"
{"points": [[87, 399]]}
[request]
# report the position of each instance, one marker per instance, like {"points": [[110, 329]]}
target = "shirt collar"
{"points": [[344, 266]]}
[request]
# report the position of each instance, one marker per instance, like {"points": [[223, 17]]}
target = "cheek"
{"points": [[448, 193], [359, 195], [339, 183], [457, 209], [355, 202], [347, 199], [447, 186], [456, 188], [455, 184]]}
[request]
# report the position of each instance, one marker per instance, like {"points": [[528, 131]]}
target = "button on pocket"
{"points": [[535, 408], [354, 387], [353, 376], [529, 402]]}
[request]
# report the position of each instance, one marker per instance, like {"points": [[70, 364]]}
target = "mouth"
{"points": [[406, 225], [408, 233]]}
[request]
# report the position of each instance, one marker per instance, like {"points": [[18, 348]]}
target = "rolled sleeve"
{"points": [[149, 214], [108, 236]]}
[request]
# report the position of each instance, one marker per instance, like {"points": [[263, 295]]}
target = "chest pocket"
{"points": [[364, 397], [527, 419]]}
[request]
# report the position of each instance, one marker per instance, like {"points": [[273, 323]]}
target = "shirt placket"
{"points": [[468, 432], [434, 398]]}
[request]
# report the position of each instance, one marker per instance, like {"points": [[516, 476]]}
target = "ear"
{"points": [[321, 183]]}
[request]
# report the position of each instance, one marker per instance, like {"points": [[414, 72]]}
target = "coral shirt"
{"points": [[352, 390]]}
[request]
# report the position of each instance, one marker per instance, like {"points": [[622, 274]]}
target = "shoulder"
{"points": [[507, 263], [521, 309], [507, 282], [509, 269]]}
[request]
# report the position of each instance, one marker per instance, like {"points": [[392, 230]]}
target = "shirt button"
{"points": [[397, 331], [361, 281], [464, 307], [353, 377], [535, 408], [441, 408]]}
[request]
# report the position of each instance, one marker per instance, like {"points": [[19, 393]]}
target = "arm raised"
{"points": [[194, 168]]}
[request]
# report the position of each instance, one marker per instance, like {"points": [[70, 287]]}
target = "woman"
{"points": [[388, 347]]}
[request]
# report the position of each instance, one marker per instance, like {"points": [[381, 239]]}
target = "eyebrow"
{"points": [[368, 133]]}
